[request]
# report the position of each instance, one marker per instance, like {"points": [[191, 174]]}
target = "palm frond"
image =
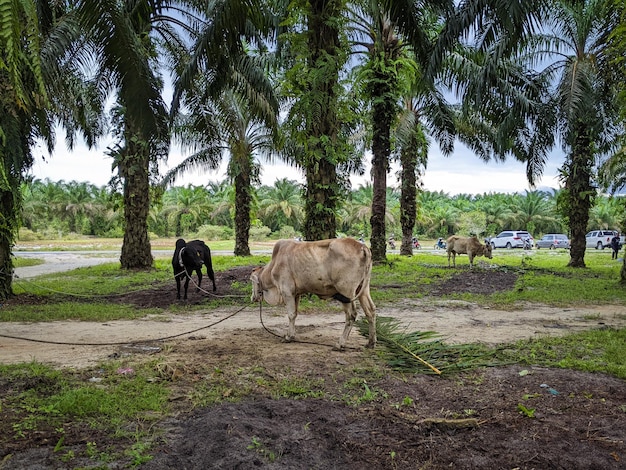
{"points": [[425, 351]]}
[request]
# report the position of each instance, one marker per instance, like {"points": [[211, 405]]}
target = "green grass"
{"points": [[19, 262], [121, 405], [590, 351], [543, 277], [91, 282]]}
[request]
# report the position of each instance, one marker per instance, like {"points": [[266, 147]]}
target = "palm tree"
{"points": [[190, 202], [223, 196], [612, 172], [231, 101], [23, 102], [497, 212], [219, 126], [382, 77], [413, 156], [531, 211], [126, 53], [281, 205], [421, 28], [42, 202], [606, 214], [318, 119], [357, 211], [440, 220], [585, 102], [79, 204], [572, 98]]}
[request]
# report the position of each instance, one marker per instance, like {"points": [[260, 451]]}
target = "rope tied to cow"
{"points": [[213, 294], [121, 343], [180, 257], [295, 340]]}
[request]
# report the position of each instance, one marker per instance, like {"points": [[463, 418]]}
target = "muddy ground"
{"points": [[494, 418]]}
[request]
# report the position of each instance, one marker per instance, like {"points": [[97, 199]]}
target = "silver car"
{"points": [[554, 240]]}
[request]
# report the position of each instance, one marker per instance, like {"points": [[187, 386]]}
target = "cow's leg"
{"points": [[210, 272], [199, 271], [471, 258], [291, 302], [350, 310], [367, 304], [188, 273], [177, 277]]}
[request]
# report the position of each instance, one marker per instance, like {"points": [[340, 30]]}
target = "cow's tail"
{"points": [[366, 255]]}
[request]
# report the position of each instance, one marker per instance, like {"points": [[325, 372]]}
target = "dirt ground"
{"points": [[495, 418]]}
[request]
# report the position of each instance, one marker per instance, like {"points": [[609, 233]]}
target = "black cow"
{"points": [[189, 257]]}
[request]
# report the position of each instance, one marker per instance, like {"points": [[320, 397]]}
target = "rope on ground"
{"points": [[213, 294], [120, 343], [295, 340]]}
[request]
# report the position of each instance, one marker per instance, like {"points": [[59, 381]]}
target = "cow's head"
{"points": [[257, 290], [192, 257], [488, 250]]}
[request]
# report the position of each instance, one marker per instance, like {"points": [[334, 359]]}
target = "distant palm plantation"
{"points": [[56, 209]]}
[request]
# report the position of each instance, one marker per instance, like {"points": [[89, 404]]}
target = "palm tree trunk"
{"points": [[408, 206], [321, 201], [242, 209], [381, 150], [7, 238], [581, 194], [134, 169], [323, 191]]}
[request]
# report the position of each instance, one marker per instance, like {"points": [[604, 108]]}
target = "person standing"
{"points": [[615, 246]]}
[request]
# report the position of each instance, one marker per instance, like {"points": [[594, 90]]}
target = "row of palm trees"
{"points": [[314, 83], [53, 208]]}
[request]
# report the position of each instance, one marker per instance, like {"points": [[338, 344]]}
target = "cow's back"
{"points": [[456, 244], [321, 267]]}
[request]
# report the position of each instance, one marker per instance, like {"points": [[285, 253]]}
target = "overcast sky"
{"points": [[460, 173]]}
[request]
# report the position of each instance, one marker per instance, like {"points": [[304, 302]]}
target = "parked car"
{"points": [[553, 240], [601, 239], [512, 239]]}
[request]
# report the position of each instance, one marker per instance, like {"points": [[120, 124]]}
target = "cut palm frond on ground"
{"points": [[424, 351]]}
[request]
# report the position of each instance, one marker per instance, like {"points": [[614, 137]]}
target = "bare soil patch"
{"points": [[466, 421]]}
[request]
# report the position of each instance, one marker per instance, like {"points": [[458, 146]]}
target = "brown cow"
{"points": [[339, 268], [466, 245]]}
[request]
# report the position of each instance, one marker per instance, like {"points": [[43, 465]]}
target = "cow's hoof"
{"points": [[339, 347], [371, 345], [289, 339]]}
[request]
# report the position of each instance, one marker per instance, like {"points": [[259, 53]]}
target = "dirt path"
{"points": [[457, 322]]}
